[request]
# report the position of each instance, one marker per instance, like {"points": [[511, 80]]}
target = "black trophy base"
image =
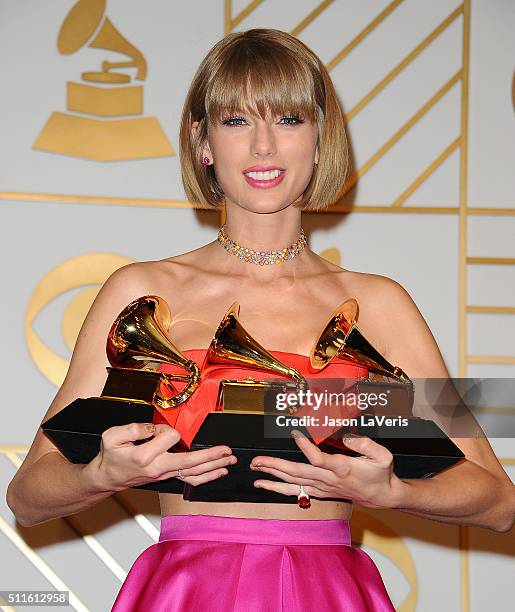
{"points": [[77, 431], [419, 451], [423, 451]]}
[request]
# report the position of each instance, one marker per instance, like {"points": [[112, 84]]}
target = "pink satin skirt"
{"points": [[226, 564]]}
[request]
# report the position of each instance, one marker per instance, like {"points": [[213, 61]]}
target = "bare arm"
{"points": [[476, 491], [35, 497], [32, 495], [47, 486], [465, 494]]}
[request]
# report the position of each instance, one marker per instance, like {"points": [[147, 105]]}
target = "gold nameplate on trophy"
{"points": [[248, 396]]}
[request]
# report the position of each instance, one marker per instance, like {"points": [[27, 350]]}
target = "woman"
{"points": [[261, 131]]}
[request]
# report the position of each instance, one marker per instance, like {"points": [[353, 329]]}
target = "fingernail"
{"points": [[227, 452], [350, 436], [295, 433], [150, 427]]}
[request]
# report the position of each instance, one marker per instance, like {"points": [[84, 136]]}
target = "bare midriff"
{"points": [[173, 504]]}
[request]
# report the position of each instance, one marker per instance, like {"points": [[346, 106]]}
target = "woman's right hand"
{"points": [[120, 464]]}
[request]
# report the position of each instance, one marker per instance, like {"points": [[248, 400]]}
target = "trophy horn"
{"points": [[341, 337], [233, 346], [138, 337]]}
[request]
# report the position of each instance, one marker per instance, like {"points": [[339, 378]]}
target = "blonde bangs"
{"points": [[261, 80]]}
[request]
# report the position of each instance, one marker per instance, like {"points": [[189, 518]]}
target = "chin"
{"points": [[265, 205]]}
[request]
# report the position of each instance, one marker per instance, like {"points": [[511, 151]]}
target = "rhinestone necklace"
{"points": [[261, 258]]}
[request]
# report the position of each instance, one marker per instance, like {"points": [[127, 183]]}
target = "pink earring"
{"points": [[205, 161]]}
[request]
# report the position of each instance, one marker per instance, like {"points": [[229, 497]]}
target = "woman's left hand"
{"points": [[369, 479]]}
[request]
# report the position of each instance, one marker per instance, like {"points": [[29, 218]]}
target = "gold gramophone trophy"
{"points": [[241, 419], [341, 337], [133, 390], [232, 346], [106, 93], [420, 448]]}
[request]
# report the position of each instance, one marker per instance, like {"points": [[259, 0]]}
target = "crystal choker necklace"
{"points": [[262, 258]]}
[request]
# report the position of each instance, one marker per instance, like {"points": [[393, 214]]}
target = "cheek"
{"points": [[302, 162]]}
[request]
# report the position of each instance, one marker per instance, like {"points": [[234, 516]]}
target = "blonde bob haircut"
{"points": [[263, 72]]}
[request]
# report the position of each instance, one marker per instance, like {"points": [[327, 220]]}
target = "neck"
{"points": [[263, 232]]}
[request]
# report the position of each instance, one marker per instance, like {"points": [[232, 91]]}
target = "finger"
{"points": [[194, 458], [288, 489], [201, 468], [293, 468], [369, 449], [315, 456], [164, 438], [296, 480], [120, 435], [207, 477]]}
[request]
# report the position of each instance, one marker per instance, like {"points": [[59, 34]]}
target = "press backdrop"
{"points": [[90, 180]]}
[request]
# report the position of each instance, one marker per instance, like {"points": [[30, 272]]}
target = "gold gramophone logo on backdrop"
{"points": [[106, 93]]}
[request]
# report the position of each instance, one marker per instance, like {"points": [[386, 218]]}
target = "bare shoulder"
{"points": [[379, 297], [389, 317], [374, 293], [156, 276], [180, 268], [377, 286]]}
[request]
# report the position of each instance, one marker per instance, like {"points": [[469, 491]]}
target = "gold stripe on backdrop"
{"points": [[427, 173], [422, 111], [462, 228], [310, 17], [230, 22], [494, 409], [405, 62], [363, 34], [496, 359], [492, 309], [498, 261], [17, 196], [464, 567], [84, 199]]}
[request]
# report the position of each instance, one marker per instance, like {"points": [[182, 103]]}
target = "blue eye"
{"points": [[288, 119], [292, 120], [230, 122]]}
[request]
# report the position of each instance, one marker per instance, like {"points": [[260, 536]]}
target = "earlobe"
{"points": [[206, 151], [194, 128], [207, 158]]}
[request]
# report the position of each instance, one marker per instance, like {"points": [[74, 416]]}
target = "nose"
{"points": [[263, 140]]}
